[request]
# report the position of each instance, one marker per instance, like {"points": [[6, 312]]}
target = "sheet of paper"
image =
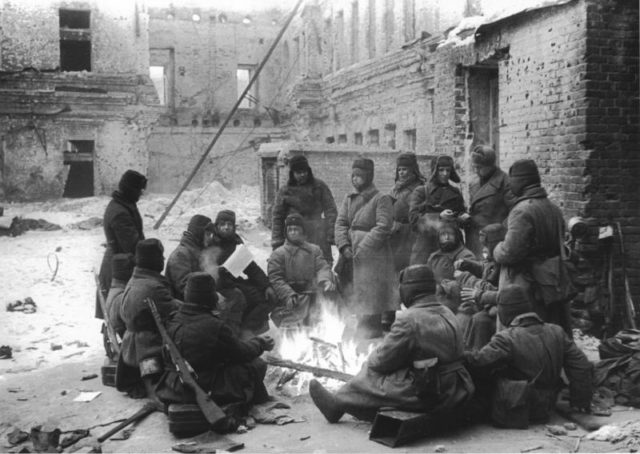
{"points": [[87, 396], [239, 260]]}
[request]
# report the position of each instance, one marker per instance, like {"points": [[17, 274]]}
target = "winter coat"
{"points": [[293, 269], [183, 260], [530, 348], [311, 200], [402, 235], [114, 303], [363, 224], [534, 232], [225, 366], [424, 341], [490, 203], [441, 262], [142, 339], [122, 225], [425, 205]]}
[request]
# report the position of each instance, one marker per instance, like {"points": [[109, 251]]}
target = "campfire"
{"points": [[327, 350]]}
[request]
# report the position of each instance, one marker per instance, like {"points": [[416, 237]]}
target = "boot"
{"points": [[325, 401]]}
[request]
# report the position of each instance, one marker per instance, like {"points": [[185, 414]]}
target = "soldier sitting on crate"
{"points": [[518, 372], [141, 356], [296, 271], [418, 366], [121, 271], [226, 367]]}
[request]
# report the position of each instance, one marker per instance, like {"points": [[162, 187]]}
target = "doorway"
{"points": [[79, 158], [483, 106]]}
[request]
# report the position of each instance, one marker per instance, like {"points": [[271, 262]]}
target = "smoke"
{"points": [[429, 223], [209, 261]]}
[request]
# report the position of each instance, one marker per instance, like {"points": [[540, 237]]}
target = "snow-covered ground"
{"points": [[63, 328]]}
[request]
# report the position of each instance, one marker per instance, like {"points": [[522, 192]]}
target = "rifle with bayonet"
{"points": [[111, 334], [209, 408]]}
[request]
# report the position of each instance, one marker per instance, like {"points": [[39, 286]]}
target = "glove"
{"points": [[267, 342], [347, 253]]}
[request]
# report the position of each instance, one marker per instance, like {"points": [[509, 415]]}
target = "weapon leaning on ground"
{"points": [[111, 334], [209, 408]]}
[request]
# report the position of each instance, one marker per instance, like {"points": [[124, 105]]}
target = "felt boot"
{"points": [[325, 401]]}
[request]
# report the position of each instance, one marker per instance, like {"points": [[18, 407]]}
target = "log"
{"points": [[317, 371]]}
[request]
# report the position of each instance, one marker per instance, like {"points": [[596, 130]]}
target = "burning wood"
{"points": [[317, 371]]}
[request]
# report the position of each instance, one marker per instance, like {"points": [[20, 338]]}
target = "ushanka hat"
{"points": [[201, 289]]}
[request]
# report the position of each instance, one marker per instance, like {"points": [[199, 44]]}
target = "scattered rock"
{"points": [[55, 347], [17, 436], [556, 430], [74, 437], [44, 440], [89, 377], [440, 448], [63, 392], [306, 437], [242, 429], [570, 426], [6, 352]]}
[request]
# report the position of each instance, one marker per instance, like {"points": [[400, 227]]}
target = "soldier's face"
{"points": [[443, 174], [481, 170], [357, 181], [301, 176], [447, 240], [226, 228], [295, 233], [403, 173]]}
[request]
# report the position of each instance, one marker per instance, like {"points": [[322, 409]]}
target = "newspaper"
{"points": [[238, 261]]}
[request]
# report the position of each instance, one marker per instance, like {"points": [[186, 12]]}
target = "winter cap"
{"points": [[197, 225], [483, 155], [523, 173], [444, 160], [201, 289], [294, 219], [416, 280], [226, 215], [122, 267], [407, 160], [492, 234], [299, 163], [577, 227], [512, 301], [132, 180], [149, 254], [363, 167]]}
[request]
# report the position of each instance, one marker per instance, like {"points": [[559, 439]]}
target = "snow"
{"points": [[66, 299]]}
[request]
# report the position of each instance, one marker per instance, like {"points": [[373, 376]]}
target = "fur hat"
{"points": [[444, 160], [149, 254], [410, 161], [131, 185], [483, 155], [122, 267], [416, 280], [197, 225], [298, 163], [294, 219], [201, 289], [523, 173], [512, 301], [226, 215], [364, 167]]}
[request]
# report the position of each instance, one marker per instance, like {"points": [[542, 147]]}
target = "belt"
{"points": [[360, 229]]}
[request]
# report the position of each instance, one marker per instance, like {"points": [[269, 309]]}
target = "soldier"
{"points": [[311, 198], [297, 271], [531, 253], [417, 367], [122, 225], [227, 368], [142, 344], [490, 195], [532, 351], [362, 236], [121, 271], [432, 201]]}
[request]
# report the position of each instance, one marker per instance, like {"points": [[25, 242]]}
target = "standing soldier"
{"points": [[362, 236], [530, 255], [490, 195], [408, 177], [428, 203], [311, 198], [122, 225]]}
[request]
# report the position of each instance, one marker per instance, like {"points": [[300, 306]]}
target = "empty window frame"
{"points": [[410, 139], [243, 76], [75, 39], [159, 79], [357, 138], [373, 137]]}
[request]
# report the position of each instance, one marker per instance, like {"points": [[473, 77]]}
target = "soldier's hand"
{"points": [[468, 295], [329, 286], [267, 342], [464, 218], [447, 215], [292, 302], [347, 253], [458, 264]]}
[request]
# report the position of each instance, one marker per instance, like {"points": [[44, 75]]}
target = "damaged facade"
{"points": [[76, 100], [201, 60], [556, 83]]}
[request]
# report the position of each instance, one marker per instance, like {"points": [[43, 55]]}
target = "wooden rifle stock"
{"points": [[115, 344], [210, 409]]}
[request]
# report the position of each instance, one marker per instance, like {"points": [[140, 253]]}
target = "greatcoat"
{"points": [[183, 260], [363, 224], [114, 303], [402, 235], [424, 341]]}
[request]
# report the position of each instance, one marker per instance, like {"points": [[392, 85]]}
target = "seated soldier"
{"points": [[142, 343], [441, 262], [121, 270], [296, 270], [227, 368], [417, 367], [528, 350], [221, 241]]}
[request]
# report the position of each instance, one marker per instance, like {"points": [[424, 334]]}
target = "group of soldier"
{"points": [[484, 293]]}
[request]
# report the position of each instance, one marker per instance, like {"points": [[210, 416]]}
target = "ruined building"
{"points": [[556, 83], [76, 101]]}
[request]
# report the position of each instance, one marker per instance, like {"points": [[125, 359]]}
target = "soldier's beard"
{"points": [[448, 246]]}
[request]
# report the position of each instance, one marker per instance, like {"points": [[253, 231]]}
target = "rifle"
{"points": [[111, 334], [148, 408], [210, 410]]}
